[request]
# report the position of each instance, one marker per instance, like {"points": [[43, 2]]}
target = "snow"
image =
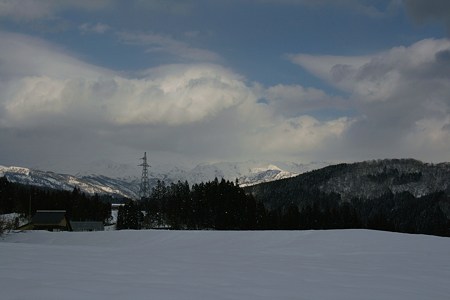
{"points": [[263, 169], [13, 169], [335, 264]]}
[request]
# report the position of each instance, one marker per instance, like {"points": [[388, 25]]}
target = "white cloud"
{"points": [[397, 91], [160, 43], [40, 79], [304, 135], [295, 100], [190, 95], [379, 76], [209, 112], [21, 56], [203, 110]]}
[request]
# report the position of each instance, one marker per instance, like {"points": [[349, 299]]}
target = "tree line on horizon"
{"points": [[224, 205], [220, 205]]}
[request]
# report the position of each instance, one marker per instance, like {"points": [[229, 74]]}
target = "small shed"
{"points": [[87, 226], [51, 220]]}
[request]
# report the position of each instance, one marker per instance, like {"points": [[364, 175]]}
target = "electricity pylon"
{"points": [[144, 189]]}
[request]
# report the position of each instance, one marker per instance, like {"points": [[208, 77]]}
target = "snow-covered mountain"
{"points": [[122, 180], [88, 184]]}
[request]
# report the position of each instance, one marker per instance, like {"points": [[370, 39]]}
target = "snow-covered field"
{"points": [[335, 264]]}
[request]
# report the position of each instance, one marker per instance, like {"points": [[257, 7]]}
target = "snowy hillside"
{"points": [[367, 180], [106, 177], [88, 184], [371, 179], [335, 264], [396, 175]]}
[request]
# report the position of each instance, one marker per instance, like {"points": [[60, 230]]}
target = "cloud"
{"points": [[423, 10], [30, 10], [304, 135], [22, 55], [296, 100], [377, 77], [169, 45], [362, 7], [334, 69], [98, 28], [40, 80], [174, 7], [176, 94], [50, 99], [51, 83], [401, 95]]}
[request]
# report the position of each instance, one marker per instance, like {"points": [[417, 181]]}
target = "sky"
{"points": [[199, 81]]}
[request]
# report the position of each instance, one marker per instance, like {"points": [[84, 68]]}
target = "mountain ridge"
{"points": [[123, 183], [366, 179]]}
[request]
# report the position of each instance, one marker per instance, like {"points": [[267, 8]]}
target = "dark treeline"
{"points": [[316, 211], [25, 199], [403, 212], [391, 212], [213, 205], [223, 205]]}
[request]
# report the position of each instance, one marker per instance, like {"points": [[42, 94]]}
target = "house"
{"points": [[51, 220], [87, 226]]}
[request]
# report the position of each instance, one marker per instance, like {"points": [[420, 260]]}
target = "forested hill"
{"points": [[397, 194], [365, 180]]}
